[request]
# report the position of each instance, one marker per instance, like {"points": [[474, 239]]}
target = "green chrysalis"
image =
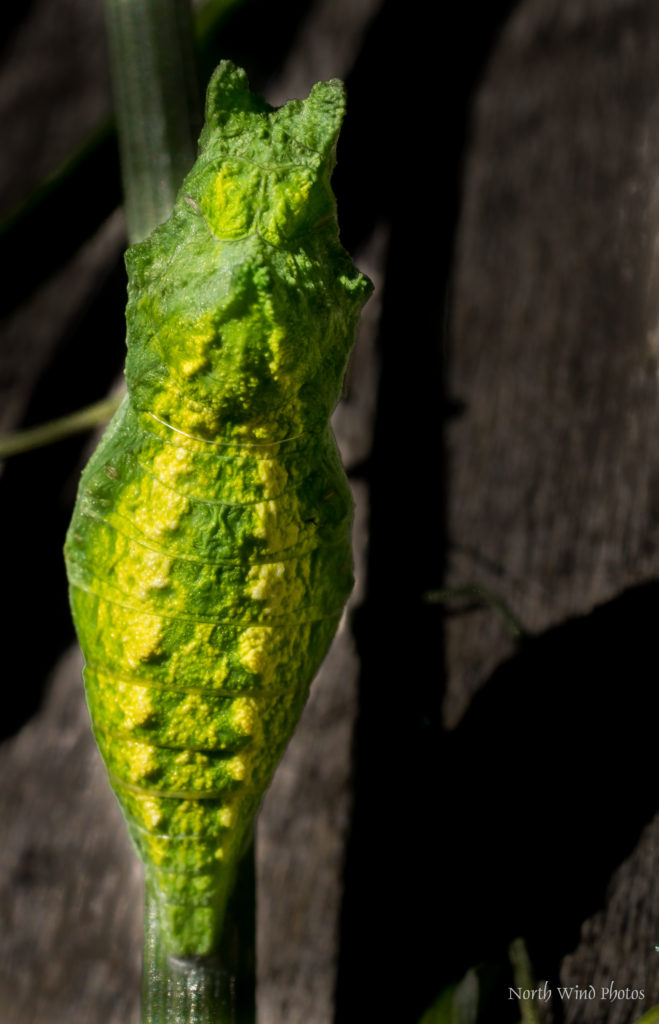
{"points": [[209, 552]]}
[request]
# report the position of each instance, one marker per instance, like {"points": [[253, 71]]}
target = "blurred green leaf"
{"points": [[524, 979], [457, 1004], [650, 1017]]}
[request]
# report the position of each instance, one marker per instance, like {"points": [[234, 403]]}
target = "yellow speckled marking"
{"points": [[243, 715], [280, 531], [275, 584], [237, 768], [273, 475], [152, 813], [141, 762], [147, 571], [137, 706], [227, 816], [141, 640], [255, 653], [154, 510]]}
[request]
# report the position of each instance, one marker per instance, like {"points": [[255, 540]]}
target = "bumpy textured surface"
{"points": [[209, 552]]}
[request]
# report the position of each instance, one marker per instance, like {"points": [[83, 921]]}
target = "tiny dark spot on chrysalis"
{"points": [[111, 472], [77, 537], [312, 519], [330, 494]]}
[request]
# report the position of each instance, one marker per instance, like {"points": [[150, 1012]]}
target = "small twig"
{"points": [[484, 596], [524, 979], [55, 430], [650, 1016]]}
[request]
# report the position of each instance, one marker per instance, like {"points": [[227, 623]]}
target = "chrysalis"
{"points": [[209, 552]]}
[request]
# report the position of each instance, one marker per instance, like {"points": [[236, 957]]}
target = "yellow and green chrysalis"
{"points": [[209, 552]]}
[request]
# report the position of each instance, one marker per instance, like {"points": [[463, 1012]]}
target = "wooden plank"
{"points": [[554, 483]]}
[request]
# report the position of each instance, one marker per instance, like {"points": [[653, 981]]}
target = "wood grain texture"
{"points": [[554, 493], [554, 483], [71, 894]]}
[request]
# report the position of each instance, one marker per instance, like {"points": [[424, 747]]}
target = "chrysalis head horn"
{"points": [[229, 102], [316, 121]]}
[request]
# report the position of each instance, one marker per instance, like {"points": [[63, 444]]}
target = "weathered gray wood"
{"points": [[70, 899], [554, 463]]}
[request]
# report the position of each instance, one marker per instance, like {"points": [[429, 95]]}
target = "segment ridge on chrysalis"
{"points": [[209, 553]]}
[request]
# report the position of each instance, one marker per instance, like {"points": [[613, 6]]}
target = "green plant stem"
{"points": [[216, 989], [524, 979], [157, 104], [55, 430]]}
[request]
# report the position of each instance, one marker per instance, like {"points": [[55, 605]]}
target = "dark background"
{"points": [[448, 790]]}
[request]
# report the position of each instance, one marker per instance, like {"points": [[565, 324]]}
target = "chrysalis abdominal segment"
{"points": [[209, 552]]}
